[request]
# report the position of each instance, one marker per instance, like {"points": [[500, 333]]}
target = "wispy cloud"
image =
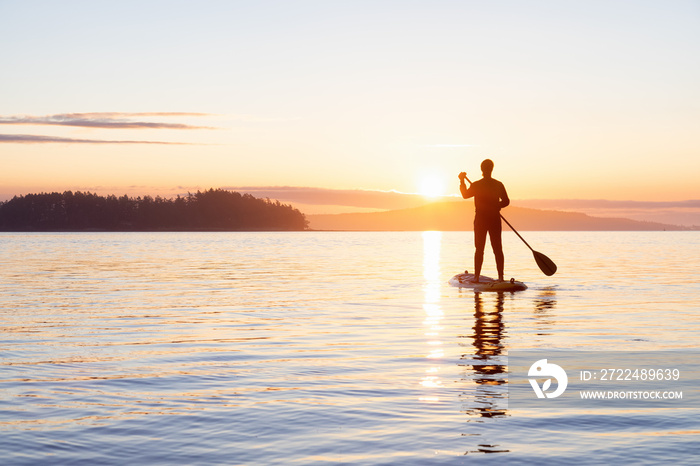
{"points": [[34, 139], [242, 118], [685, 212], [580, 204], [109, 120], [364, 198], [673, 212]]}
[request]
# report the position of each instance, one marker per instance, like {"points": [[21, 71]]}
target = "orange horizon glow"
{"points": [[308, 102]]}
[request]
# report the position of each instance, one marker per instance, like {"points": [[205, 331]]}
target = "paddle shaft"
{"points": [[516, 232]]}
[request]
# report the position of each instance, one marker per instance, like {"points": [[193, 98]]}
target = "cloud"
{"points": [[109, 120], [685, 213], [672, 212], [570, 204], [259, 119], [364, 198], [33, 139]]}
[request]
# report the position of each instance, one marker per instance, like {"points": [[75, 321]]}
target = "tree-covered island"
{"points": [[215, 209]]}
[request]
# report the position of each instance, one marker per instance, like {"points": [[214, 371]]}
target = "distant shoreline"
{"points": [[211, 210], [458, 216], [335, 231], [173, 230]]}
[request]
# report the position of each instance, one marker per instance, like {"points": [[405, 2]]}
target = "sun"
{"points": [[432, 186]]}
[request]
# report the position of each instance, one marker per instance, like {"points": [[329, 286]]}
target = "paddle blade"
{"points": [[545, 263]]}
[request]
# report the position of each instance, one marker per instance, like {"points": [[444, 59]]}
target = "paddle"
{"points": [[543, 262]]}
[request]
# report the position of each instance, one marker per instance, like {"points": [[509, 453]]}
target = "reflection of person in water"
{"points": [[486, 367], [488, 363], [489, 198]]}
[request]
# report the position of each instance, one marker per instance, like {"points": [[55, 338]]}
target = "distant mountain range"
{"points": [[458, 216]]}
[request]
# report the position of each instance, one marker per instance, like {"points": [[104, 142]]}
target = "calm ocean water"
{"points": [[327, 348]]}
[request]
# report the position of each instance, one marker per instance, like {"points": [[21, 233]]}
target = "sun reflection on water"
{"points": [[433, 311]]}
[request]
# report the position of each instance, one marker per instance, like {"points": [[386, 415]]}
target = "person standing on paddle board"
{"points": [[489, 198]]}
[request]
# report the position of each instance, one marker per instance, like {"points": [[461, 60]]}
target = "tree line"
{"points": [[215, 209]]}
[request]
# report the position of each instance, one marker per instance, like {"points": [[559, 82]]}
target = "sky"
{"points": [[572, 100]]}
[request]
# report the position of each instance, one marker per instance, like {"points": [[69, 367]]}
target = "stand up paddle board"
{"points": [[466, 280]]}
